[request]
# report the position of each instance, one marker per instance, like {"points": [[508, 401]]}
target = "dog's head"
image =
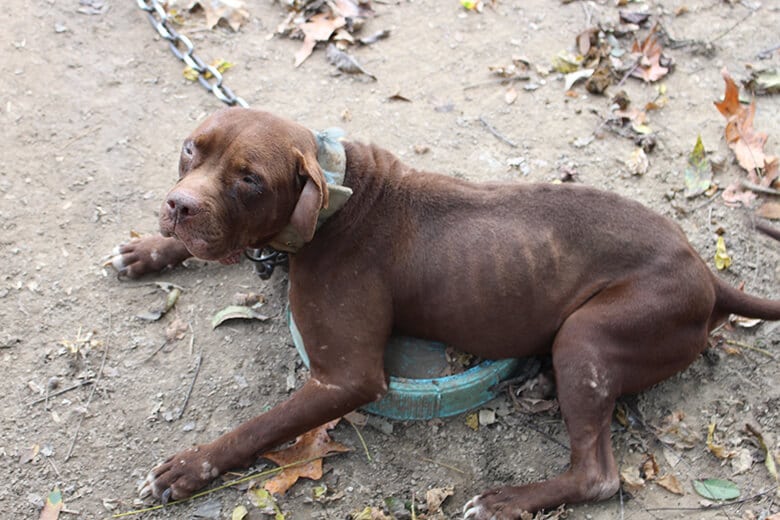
{"points": [[243, 176]]}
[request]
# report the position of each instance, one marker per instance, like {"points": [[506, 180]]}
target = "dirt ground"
{"points": [[93, 110]]}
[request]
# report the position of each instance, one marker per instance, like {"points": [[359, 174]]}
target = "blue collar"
{"points": [[333, 161]]}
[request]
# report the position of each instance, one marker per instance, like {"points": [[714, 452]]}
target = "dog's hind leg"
{"points": [[622, 341], [587, 398]]}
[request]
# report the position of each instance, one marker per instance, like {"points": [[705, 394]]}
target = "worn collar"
{"points": [[333, 161]]}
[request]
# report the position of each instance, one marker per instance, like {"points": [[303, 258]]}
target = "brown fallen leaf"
{"points": [[312, 446], [770, 210], [233, 12], [319, 28], [670, 483], [649, 54], [746, 143], [632, 481], [176, 329], [650, 467], [674, 431], [435, 497], [29, 454]]}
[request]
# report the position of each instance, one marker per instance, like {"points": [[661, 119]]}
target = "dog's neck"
{"points": [[333, 161]]}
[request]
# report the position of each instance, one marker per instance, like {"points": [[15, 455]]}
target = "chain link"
{"points": [[182, 47]]}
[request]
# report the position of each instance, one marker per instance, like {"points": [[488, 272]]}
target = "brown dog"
{"points": [[611, 289]]}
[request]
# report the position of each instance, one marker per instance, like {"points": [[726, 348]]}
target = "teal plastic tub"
{"points": [[414, 391]]}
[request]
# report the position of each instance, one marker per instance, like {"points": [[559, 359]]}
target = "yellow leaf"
{"points": [[239, 513], [472, 421], [722, 258], [719, 451]]}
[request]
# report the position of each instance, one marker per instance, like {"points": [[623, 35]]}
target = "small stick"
{"points": [[496, 133], [511, 79], [751, 347], [362, 441], [192, 383], [59, 392], [156, 351], [91, 393], [767, 53], [760, 189], [714, 506], [724, 33], [443, 465]]}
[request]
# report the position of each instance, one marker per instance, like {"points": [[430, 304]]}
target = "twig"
{"points": [[362, 441], [751, 347], [724, 33], [92, 392], [156, 351], [79, 137], [511, 79], [760, 189], [252, 476], [443, 465], [496, 133], [194, 378], [714, 506], [767, 53], [60, 392]]}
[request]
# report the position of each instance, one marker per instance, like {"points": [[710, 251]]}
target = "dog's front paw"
{"points": [[496, 504], [179, 476], [144, 255]]}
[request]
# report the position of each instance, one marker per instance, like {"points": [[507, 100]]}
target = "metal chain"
{"points": [[181, 47]]}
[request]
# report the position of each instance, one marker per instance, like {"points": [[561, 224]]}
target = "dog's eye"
{"points": [[251, 179], [188, 149]]}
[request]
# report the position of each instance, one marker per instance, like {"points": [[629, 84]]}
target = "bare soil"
{"points": [[93, 109]]}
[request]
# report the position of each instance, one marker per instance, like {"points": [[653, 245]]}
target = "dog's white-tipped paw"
{"points": [[146, 488], [475, 511]]}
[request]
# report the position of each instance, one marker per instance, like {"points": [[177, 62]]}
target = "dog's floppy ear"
{"points": [[314, 197]]}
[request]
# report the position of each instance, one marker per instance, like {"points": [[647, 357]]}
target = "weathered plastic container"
{"points": [[419, 394]]}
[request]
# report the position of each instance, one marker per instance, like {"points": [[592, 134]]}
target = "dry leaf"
{"points": [[770, 210], [176, 329], [233, 12], [675, 432], [370, 513], [52, 507], [742, 138], [312, 447], [649, 56], [638, 163], [719, 451], [472, 421], [670, 483], [344, 62], [319, 28], [650, 467], [29, 454], [631, 479], [722, 258], [769, 461], [435, 497]]}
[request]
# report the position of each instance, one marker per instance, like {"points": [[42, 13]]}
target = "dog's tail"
{"points": [[733, 301]]}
